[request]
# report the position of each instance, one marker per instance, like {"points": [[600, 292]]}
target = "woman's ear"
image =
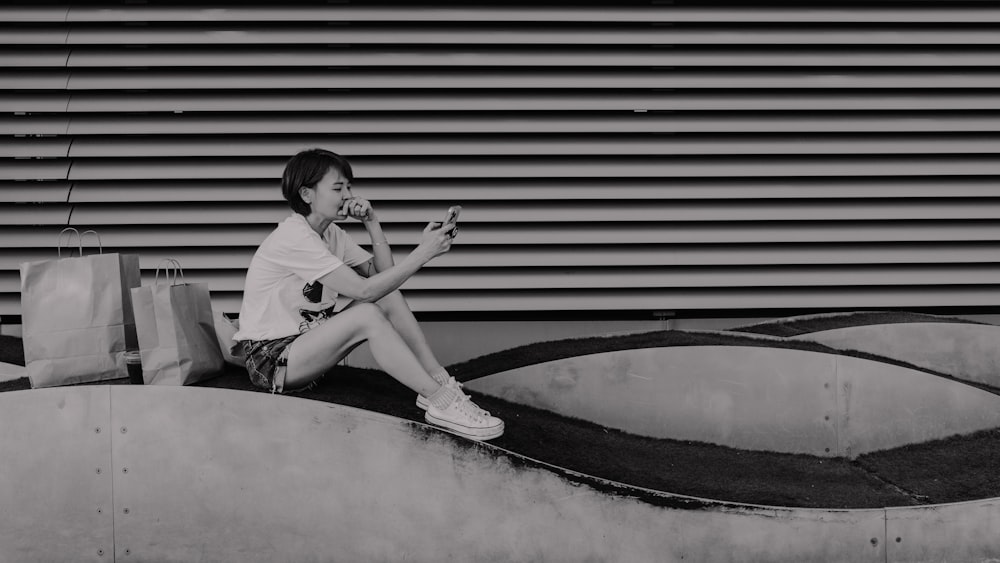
{"points": [[305, 194]]}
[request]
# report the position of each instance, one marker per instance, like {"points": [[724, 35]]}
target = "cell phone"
{"points": [[452, 216]]}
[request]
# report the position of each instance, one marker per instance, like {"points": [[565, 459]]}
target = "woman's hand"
{"points": [[435, 241], [359, 208]]}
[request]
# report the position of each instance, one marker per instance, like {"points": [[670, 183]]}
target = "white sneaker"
{"points": [[466, 418], [422, 401]]}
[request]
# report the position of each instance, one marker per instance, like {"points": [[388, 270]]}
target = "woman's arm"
{"points": [[362, 209], [380, 246], [346, 281]]}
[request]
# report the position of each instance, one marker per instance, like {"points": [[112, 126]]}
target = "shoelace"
{"points": [[465, 404]]}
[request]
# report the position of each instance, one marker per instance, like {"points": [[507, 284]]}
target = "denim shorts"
{"points": [[267, 362]]}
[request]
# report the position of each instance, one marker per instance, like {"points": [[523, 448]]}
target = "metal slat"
{"points": [[32, 192], [192, 191], [34, 13], [556, 189], [620, 122], [35, 214], [498, 234], [27, 57], [473, 256], [20, 34], [639, 278], [34, 124], [466, 34], [549, 212], [298, 101], [712, 255], [514, 167], [636, 278], [716, 233], [143, 236], [612, 279], [19, 102], [706, 300], [287, 57], [465, 256], [232, 79], [723, 301], [31, 79], [862, 14], [537, 145], [34, 169], [36, 147]]}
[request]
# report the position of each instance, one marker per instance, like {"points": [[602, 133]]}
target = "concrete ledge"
{"points": [[965, 351], [946, 532], [56, 476], [760, 398], [219, 475]]}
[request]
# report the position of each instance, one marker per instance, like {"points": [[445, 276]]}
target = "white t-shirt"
{"points": [[282, 295]]}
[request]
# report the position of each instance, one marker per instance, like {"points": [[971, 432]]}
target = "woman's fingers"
{"points": [[361, 208], [356, 207]]}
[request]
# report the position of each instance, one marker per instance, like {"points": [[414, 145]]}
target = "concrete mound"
{"points": [[752, 397], [966, 351]]}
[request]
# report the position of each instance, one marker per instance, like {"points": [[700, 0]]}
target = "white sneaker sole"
{"points": [[469, 432], [422, 402]]}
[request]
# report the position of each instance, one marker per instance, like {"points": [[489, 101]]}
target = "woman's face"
{"points": [[327, 197]]}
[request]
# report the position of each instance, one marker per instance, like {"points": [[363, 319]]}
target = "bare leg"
{"points": [[318, 350], [398, 312]]}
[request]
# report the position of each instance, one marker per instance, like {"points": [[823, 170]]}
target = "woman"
{"points": [[288, 327]]}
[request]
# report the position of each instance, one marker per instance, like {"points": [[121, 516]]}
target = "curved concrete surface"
{"points": [[102, 473], [965, 531], [965, 351], [760, 398]]}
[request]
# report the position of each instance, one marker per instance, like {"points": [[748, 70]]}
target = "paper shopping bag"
{"points": [[226, 329], [178, 344], [77, 316]]}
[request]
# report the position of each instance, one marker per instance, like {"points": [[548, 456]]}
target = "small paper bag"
{"points": [[226, 329], [177, 339]]}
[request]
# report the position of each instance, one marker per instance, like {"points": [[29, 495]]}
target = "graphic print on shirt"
{"points": [[313, 293]]}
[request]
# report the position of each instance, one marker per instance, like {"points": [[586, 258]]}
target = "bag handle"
{"points": [[79, 240], [173, 266]]}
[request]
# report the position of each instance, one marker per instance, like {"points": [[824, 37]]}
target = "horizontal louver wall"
{"points": [[620, 157]]}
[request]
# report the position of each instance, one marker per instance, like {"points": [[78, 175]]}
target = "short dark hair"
{"points": [[306, 169]]}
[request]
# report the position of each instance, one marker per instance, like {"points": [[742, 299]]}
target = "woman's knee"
{"points": [[370, 316], [392, 302], [392, 298]]}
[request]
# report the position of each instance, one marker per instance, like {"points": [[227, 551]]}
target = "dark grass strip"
{"points": [[956, 469], [799, 326], [690, 468], [11, 350]]}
